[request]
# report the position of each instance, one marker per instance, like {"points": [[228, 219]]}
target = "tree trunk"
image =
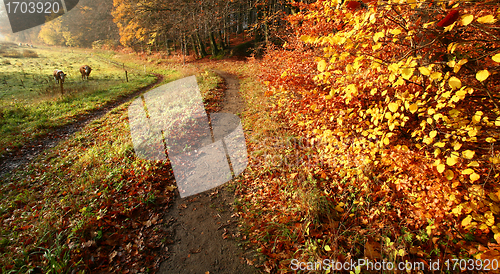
{"points": [[213, 44], [221, 39], [186, 49], [203, 52], [182, 53], [266, 30], [167, 47], [195, 49]]}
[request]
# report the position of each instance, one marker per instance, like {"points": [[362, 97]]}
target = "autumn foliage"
{"points": [[400, 100]]}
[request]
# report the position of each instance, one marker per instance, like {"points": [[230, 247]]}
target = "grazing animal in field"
{"points": [[85, 71], [59, 75]]}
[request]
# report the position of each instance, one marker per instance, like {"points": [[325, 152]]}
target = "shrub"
{"points": [[12, 54], [30, 53]]}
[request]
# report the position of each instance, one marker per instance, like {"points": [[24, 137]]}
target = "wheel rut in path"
{"points": [[22, 156], [203, 230]]}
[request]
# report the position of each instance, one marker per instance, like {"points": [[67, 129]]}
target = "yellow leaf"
{"points": [[171, 188], [424, 71], [322, 65], [497, 121], [490, 219], [428, 140], [490, 140], [497, 237], [327, 248], [451, 160], [449, 175], [439, 144], [482, 75], [494, 160], [451, 47], [457, 210], [377, 36], [395, 32], [432, 134], [450, 27], [477, 117], [494, 197], [474, 177], [472, 132], [467, 220], [377, 46], [393, 107], [466, 19], [407, 73], [496, 57], [473, 164], [467, 171], [440, 168], [386, 141], [487, 19], [459, 65], [339, 207], [436, 76], [399, 82], [426, 25], [305, 38], [468, 154], [455, 83], [414, 108]]}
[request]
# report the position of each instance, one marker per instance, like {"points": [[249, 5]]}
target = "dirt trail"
{"points": [[21, 156], [202, 227]]}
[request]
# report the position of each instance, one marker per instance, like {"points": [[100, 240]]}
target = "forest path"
{"points": [[20, 157], [203, 228]]}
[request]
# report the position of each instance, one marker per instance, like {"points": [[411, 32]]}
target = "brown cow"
{"points": [[59, 75], [85, 71]]}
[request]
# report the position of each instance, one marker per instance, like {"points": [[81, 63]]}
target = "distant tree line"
{"points": [[201, 26], [88, 22]]}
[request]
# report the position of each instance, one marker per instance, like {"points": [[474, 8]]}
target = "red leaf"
{"points": [[449, 19], [353, 5]]}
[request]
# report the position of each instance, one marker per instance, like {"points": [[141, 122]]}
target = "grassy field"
{"points": [[31, 103]]}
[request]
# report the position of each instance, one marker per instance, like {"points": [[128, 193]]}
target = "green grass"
{"points": [[89, 188], [31, 103]]}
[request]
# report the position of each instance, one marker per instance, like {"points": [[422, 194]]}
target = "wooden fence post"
{"points": [[126, 73]]}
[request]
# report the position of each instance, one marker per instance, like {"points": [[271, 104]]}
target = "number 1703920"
{"points": [[32, 7]]}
